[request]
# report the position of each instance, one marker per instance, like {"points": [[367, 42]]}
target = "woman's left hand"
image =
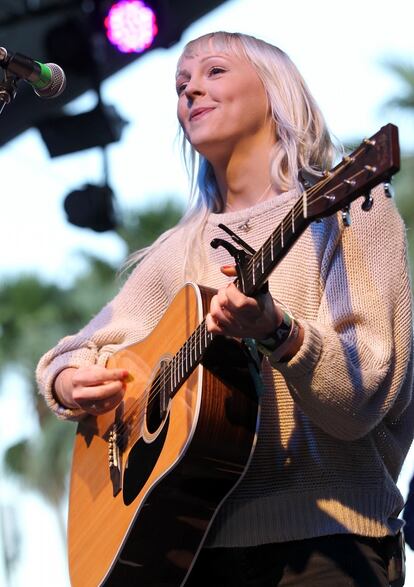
{"points": [[234, 314]]}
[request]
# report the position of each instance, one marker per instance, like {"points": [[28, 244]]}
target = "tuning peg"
{"points": [[308, 179], [368, 202], [346, 216], [350, 182], [389, 189], [369, 142]]}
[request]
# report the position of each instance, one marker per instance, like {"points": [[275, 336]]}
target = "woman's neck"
{"points": [[244, 179], [239, 203]]}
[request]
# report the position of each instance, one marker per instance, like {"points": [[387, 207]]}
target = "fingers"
{"points": [[230, 312], [218, 320], [97, 389], [229, 270], [96, 375], [234, 314], [100, 406]]}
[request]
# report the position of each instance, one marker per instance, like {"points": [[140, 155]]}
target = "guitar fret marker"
{"points": [[254, 271]]}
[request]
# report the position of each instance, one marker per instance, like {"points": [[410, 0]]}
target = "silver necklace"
{"points": [[245, 225]]}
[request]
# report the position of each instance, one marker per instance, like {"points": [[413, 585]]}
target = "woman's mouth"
{"points": [[199, 113]]}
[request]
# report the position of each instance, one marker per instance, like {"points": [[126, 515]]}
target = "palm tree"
{"points": [[404, 181], [405, 74]]}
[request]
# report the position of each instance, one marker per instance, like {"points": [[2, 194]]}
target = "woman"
{"points": [[319, 500]]}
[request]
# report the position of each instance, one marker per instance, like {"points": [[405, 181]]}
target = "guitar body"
{"points": [[141, 518]]}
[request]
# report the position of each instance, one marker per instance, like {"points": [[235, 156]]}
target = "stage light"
{"points": [[92, 207], [131, 26], [98, 127]]}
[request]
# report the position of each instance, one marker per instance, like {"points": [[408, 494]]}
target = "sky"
{"points": [[341, 50]]}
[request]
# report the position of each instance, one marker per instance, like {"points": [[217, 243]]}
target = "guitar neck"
{"points": [[188, 357], [260, 265]]}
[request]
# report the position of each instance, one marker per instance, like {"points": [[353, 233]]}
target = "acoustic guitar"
{"points": [[149, 477]]}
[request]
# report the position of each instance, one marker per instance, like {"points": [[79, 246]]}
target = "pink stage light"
{"points": [[131, 26]]}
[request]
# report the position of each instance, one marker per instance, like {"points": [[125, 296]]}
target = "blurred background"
{"points": [[96, 173]]}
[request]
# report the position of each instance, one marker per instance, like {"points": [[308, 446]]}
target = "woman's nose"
{"points": [[193, 89]]}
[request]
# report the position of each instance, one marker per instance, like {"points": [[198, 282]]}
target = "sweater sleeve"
{"points": [[354, 366], [128, 318]]}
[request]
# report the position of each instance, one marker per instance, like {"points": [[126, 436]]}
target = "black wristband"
{"points": [[267, 346]]}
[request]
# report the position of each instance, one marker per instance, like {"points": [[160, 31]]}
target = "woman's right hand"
{"points": [[94, 389]]}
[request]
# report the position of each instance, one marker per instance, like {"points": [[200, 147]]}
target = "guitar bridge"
{"points": [[115, 461]]}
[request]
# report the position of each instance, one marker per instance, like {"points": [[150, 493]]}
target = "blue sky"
{"points": [[340, 48]]}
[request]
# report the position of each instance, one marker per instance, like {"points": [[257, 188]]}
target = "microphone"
{"points": [[48, 80]]}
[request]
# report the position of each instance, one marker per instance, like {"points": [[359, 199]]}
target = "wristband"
{"points": [[279, 354], [282, 334]]}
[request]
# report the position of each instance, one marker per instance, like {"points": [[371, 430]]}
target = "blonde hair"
{"points": [[302, 138]]}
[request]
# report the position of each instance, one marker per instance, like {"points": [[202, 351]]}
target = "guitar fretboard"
{"points": [[186, 359], [261, 264]]}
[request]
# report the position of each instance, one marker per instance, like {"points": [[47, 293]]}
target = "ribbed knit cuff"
{"points": [[298, 515]]}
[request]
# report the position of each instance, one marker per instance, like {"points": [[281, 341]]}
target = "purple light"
{"points": [[131, 26]]}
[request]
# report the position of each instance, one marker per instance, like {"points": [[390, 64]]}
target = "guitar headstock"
{"points": [[373, 162]]}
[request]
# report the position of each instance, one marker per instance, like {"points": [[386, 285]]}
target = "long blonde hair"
{"points": [[302, 138]]}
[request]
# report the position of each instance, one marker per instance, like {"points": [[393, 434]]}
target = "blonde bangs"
{"points": [[220, 41]]}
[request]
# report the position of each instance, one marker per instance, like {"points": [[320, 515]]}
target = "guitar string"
{"points": [[178, 360], [298, 207], [143, 400]]}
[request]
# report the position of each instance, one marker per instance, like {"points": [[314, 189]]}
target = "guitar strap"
{"points": [[254, 362]]}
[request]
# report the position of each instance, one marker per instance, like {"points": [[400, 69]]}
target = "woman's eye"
{"points": [[181, 88], [216, 70]]}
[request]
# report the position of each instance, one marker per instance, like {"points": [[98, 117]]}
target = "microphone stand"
{"points": [[8, 85], [8, 90]]}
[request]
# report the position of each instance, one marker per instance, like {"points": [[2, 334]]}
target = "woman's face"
{"points": [[222, 104]]}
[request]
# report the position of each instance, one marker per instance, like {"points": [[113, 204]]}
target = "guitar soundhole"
{"points": [[158, 399]]}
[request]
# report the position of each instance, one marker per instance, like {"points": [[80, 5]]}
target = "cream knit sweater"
{"points": [[337, 420]]}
